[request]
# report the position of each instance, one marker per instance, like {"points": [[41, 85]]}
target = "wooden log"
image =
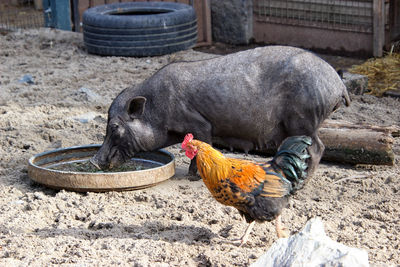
{"points": [[392, 130], [350, 143], [358, 144]]}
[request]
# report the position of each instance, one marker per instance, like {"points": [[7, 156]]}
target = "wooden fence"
{"points": [[348, 25]]}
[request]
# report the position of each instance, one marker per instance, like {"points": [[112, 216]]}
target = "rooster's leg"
{"points": [[241, 241], [280, 228], [245, 237]]}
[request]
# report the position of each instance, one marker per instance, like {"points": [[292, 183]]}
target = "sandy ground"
{"points": [[176, 223]]}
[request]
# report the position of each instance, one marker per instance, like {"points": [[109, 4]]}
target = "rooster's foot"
{"points": [[236, 242], [243, 240], [281, 230]]}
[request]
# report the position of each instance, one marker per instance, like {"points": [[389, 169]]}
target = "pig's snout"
{"points": [[100, 162], [105, 161], [95, 162]]}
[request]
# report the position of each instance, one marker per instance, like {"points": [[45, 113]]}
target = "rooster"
{"points": [[259, 191]]}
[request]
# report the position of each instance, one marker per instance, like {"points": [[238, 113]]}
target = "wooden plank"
{"points": [[198, 6], [97, 2], [306, 24], [38, 4], [60, 15], [207, 22], [312, 36], [312, 10], [5, 3], [378, 27], [394, 19], [203, 13], [75, 16], [47, 17], [306, 4], [334, 18], [83, 5], [356, 12], [63, 15]]}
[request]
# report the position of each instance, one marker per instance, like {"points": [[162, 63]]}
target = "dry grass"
{"points": [[383, 73]]}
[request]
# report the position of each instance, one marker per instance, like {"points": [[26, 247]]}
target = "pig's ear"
{"points": [[135, 107]]}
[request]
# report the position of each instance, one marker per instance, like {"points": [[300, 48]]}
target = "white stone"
{"points": [[85, 118], [355, 83], [90, 95], [312, 247]]}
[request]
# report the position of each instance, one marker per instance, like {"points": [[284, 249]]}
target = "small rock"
{"points": [[355, 83], [141, 198], [224, 232], [26, 146], [82, 218], [17, 202], [92, 224], [38, 195], [27, 78], [312, 247], [177, 217], [85, 118], [252, 256], [389, 180], [234, 255], [213, 221], [97, 226], [90, 95]]}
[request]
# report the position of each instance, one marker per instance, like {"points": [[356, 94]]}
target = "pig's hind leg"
{"points": [[292, 127], [315, 150]]}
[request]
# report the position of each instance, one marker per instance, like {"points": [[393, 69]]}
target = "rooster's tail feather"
{"points": [[291, 159]]}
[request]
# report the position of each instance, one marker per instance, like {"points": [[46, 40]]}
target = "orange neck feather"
{"points": [[211, 163]]}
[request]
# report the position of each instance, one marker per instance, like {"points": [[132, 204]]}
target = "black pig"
{"points": [[251, 100]]}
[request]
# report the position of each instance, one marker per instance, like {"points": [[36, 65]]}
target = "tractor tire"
{"points": [[139, 28]]}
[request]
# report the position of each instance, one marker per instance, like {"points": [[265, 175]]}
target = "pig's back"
{"points": [[270, 77], [263, 72]]}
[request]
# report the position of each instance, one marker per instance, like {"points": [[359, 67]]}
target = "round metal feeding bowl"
{"points": [[41, 170]]}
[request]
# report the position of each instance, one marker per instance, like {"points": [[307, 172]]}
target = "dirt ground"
{"points": [[176, 223]]}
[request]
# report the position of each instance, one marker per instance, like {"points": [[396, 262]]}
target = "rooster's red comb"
{"points": [[188, 138]]}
